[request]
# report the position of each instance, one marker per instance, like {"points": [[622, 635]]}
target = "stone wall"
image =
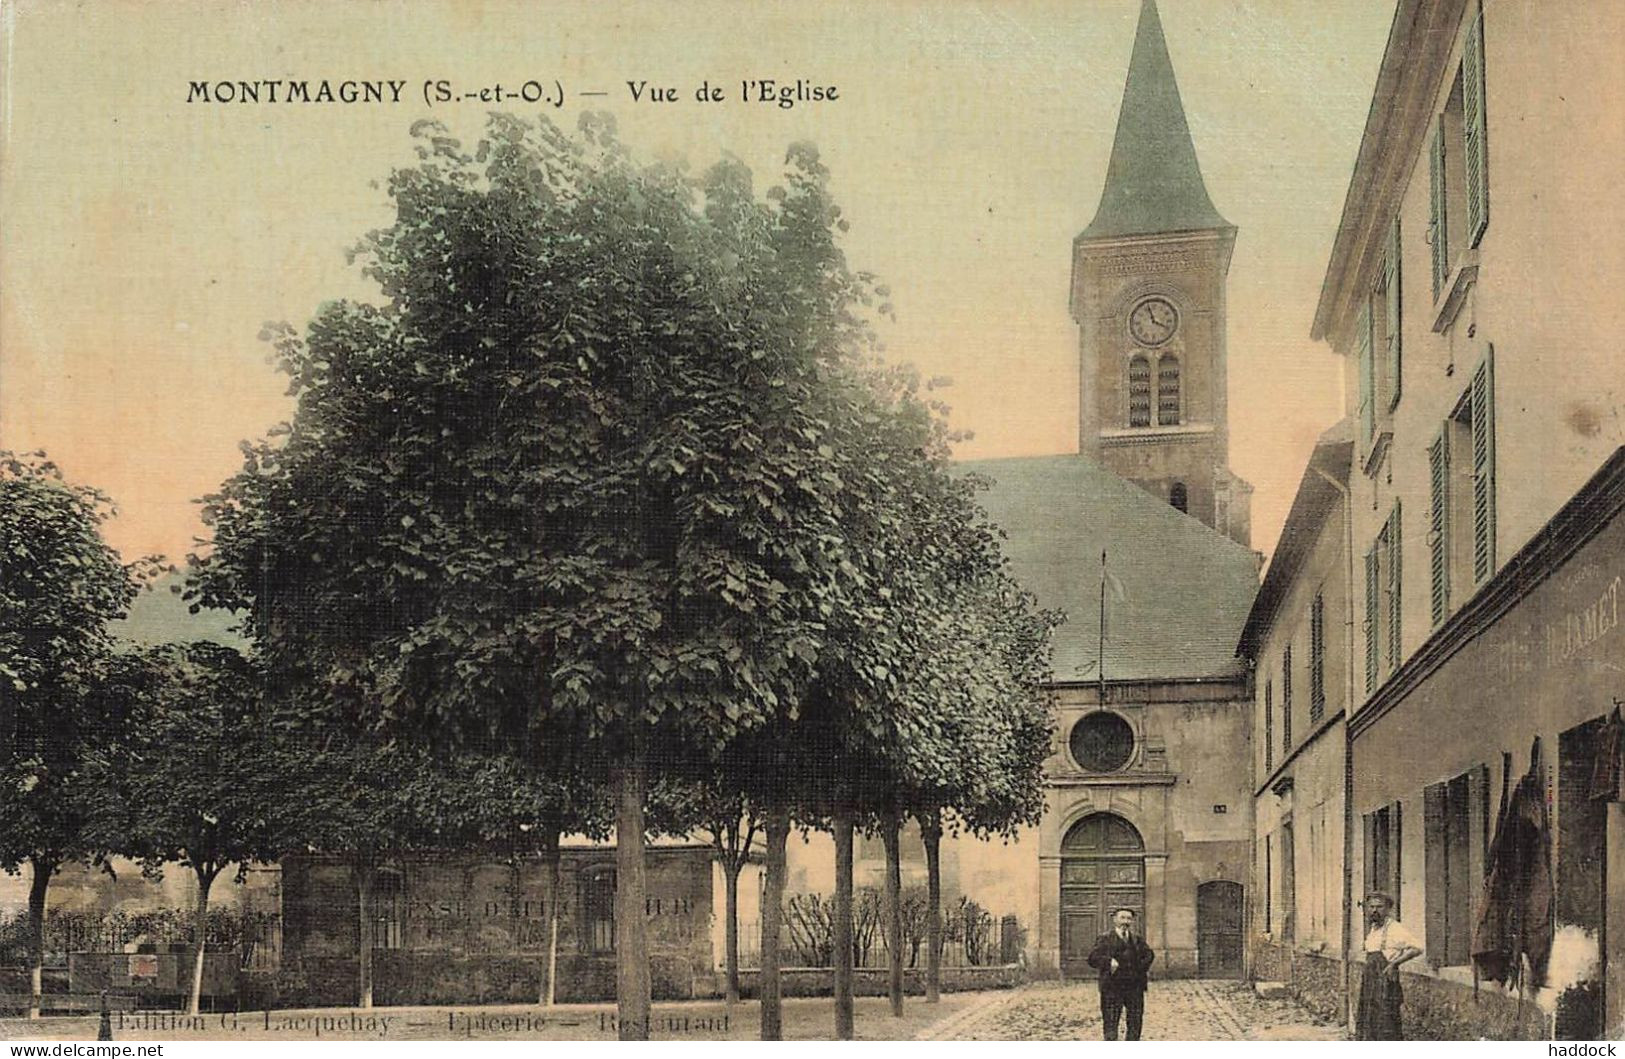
{"points": [[1317, 984], [1434, 1008], [460, 931], [875, 981], [402, 978], [1437, 1009]]}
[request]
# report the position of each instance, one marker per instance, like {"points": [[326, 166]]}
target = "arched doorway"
{"points": [[1102, 869], [1218, 929]]}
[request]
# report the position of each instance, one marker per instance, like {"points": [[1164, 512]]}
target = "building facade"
{"points": [[1141, 538], [1474, 305], [464, 930], [1298, 643], [1144, 805]]}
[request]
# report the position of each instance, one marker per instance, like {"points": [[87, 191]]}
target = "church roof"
{"points": [[1178, 592], [1153, 182]]}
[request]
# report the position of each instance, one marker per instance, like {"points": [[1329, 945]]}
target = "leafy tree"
{"points": [[206, 785], [63, 689], [573, 474], [710, 800]]}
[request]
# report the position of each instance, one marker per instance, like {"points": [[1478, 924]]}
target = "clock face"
{"points": [[1153, 321]]}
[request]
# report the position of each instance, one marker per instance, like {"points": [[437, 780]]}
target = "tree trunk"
{"points": [[632, 984], [730, 874], [843, 926], [778, 833], [894, 911], [931, 832], [205, 880], [363, 890], [36, 934], [550, 916]]}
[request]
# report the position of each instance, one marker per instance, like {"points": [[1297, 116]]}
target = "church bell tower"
{"points": [[1148, 296]]}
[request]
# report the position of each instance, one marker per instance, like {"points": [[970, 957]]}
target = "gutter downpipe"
{"points": [[1348, 748]]}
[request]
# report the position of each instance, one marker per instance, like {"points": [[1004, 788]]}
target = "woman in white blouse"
{"points": [[1389, 944]]}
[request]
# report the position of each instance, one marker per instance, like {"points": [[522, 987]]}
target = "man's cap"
{"points": [[1379, 895]]}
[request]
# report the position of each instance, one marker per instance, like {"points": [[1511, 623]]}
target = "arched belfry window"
{"points": [[1178, 497], [1167, 390], [1139, 391]]}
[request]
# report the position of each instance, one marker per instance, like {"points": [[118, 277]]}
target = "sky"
{"points": [[147, 239]]}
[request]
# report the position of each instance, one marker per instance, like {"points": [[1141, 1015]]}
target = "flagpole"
{"points": [[1100, 662]]}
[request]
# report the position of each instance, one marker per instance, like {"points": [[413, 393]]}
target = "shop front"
{"points": [[1508, 716], [448, 930]]}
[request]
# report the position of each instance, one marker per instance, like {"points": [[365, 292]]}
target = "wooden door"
{"points": [[1102, 870], [1218, 929]]}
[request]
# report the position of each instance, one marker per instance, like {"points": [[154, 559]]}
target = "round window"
{"points": [[1102, 742]]}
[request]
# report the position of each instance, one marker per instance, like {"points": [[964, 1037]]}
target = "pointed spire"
{"points": [[1153, 183]]}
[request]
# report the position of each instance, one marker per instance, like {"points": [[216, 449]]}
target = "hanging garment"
{"points": [[1516, 919], [1605, 766]]}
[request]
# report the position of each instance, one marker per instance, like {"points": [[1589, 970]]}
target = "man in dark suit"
{"points": [[1122, 957]]}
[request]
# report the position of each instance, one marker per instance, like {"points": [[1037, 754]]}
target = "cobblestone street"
{"points": [[1174, 1010]]}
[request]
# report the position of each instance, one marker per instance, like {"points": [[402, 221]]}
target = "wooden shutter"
{"points": [[1286, 702], [1269, 723], [1483, 416], [1438, 219], [1475, 145], [1439, 524], [1370, 848], [1396, 871], [1391, 281], [1436, 895], [1317, 658], [1371, 590], [1478, 837], [1395, 551], [1362, 347]]}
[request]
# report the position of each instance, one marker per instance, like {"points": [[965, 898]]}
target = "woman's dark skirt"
{"points": [[1378, 1016]]}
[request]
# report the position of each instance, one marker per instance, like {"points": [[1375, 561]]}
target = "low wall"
{"points": [[876, 981], [1317, 984], [1270, 962], [1434, 1008], [407, 978]]}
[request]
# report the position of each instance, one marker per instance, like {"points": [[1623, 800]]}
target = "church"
{"points": [[1143, 538]]}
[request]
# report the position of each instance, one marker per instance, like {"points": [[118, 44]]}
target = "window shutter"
{"points": [[1478, 832], [1269, 724], [1391, 283], [1362, 346], [1438, 224], [1370, 847], [1371, 590], [1439, 523], [1395, 551], [1317, 658], [1483, 414], [1436, 877], [1475, 146], [1396, 871], [1286, 702]]}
